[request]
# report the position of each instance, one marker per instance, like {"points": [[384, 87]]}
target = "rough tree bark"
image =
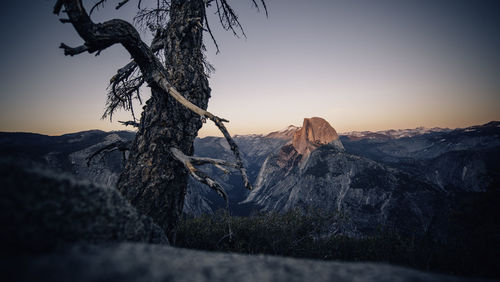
{"points": [[155, 176], [153, 180]]}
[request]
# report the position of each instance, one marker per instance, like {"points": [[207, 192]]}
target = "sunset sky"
{"points": [[361, 65]]}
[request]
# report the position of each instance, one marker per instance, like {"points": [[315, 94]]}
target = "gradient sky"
{"points": [[361, 65]]}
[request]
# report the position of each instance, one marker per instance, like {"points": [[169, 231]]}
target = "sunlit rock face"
{"points": [[314, 133], [314, 171]]}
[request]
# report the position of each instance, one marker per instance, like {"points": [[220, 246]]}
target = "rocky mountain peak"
{"points": [[314, 132], [285, 133]]}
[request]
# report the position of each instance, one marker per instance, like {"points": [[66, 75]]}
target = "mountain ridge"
{"points": [[424, 156]]}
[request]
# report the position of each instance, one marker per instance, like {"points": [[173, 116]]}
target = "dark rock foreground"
{"points": [[57, 229], [144, 262], [41, 211]]}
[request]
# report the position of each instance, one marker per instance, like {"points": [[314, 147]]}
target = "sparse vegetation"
{"points": [[298, 234]]}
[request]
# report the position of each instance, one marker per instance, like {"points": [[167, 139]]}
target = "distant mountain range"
{"points": [[393, 133], [398, 179], [395, 178]]}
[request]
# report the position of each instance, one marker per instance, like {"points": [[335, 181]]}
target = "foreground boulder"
{"points": [[56, 229], [40, 211], [127, 262]]}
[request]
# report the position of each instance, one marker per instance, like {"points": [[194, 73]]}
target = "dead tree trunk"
{"points": [[155, 176], [153, 180]]}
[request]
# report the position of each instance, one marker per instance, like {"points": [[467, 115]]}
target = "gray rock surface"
{"points": [[369, 194], [41, 211], [129, 262]]}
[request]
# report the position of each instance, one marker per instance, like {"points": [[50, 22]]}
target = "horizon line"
{"points": [[246, 134]]}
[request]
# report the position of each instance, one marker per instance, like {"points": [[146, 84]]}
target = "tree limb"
{"points": [[236, 152], [217, 50], [126, 83], [162, 81], [121, 4], [199, 175], [58, 7], [119, 145], [69, 51], [129, 122], [100, 36], [216, 162]]}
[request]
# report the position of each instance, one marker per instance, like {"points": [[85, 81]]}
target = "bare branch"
{"points": [[130, 122], [100, 36], [124, 72], [69, 51], [223, 169], [126, 83], [96, 6], [236, 152], [124, 86], [263, 5], [228, 17], [212, 35], [97, 37], [153, 18], [200, 176], [197, 174], [120, 4], [216, 162], [162, 82], [119, 145], [58, 7]]}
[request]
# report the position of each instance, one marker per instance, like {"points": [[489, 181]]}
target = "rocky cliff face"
{"points": [[459, 160], [314, 133], [315, 171], [369, 194]]}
